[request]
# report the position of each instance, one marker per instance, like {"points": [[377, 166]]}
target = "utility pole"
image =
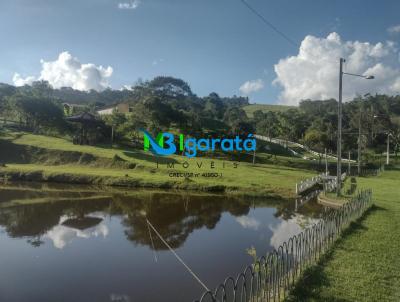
{"points": [[349, 167], [339, 138], [359, 145], [112, 135], [326, 163], [387, 149]]}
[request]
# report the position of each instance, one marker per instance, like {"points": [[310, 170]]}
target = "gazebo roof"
{"points": [[82, 223]]}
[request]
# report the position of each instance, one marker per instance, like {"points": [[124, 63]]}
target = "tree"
{"points": [[158, 114], [258, 116], [116, 121], [214, 107], [315, 139], [267, 123], [170, 87], [37, 113]]}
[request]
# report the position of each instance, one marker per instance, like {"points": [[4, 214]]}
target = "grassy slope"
{"points": [[365, 264], [265, 178], [265, 108]]}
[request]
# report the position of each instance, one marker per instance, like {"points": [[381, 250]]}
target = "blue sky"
{"points": [[215, 45]]}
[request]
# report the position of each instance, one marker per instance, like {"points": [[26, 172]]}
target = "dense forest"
{"points": [[167, 103]]}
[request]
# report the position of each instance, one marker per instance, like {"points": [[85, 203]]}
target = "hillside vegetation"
{"points": [[43, 158], [46, 139], [250, 109], [168, 104]]}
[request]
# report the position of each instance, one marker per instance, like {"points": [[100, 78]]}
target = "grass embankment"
{"points": [[250, 109], [364, 265], [42, 158], [349, 190]]}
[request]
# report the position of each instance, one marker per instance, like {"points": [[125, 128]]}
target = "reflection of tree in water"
{"points": [[30, 220], [286, 209], [174, 216], [35, 220]]}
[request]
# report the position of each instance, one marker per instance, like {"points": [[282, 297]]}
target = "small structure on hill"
{"points": [[119, 108], [89, 126], [70, 109]]}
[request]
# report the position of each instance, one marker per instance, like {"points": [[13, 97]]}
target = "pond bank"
{"points": [[30, 157], [128, 181], [334, 203]]}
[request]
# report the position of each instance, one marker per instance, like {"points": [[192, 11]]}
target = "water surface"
{"points": [[73, 243]]}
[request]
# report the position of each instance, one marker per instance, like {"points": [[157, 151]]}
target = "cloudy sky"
{"points": [[215, 45]]}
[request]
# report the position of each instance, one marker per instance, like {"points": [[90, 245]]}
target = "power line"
{"points": [[177, 257], [269, 24]]}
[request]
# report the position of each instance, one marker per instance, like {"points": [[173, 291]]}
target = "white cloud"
{"points": [[288, 228], [126, 87], [394, 29], [313, 73], [18, 80], [129, 5], [157, 61], [248, 222], [68, 71], [251, 86]]}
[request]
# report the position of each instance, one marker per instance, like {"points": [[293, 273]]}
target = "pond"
{"points": [[77, 243]]}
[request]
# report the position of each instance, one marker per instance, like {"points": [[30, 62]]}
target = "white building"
{"points": [[120, 108]]}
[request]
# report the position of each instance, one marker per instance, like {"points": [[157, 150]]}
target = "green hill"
{"points": [[31, 157], [250, 109]]}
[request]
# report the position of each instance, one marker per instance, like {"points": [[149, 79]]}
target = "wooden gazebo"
{"points": [[87, 121]]}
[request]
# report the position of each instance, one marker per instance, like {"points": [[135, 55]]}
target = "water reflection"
{"points": [[174, 216], [99, 241], [71, 228], [289, 228], [248, 222], [63, 215]]}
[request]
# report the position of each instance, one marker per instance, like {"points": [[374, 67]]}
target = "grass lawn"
{"points": [[249, 109], [364, 265], [259, 178]]}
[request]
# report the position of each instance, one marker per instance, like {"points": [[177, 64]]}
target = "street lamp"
{"points": [[339, 139], [370, 77]]}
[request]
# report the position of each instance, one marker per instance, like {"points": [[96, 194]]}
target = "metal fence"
{"points": [[271, 277], [372, 172], [308, 183], [330, 184], [300, 201]]}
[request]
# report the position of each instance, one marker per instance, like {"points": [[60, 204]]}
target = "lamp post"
{"points": [[359, 145], [339, 138]]}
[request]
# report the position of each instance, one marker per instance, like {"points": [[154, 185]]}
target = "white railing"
{"points": [[331, 184], [328, 181], [308, 183], [285, 143]]}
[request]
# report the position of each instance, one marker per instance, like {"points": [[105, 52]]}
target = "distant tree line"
{"points": [[314, 123], [167, 103]]}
